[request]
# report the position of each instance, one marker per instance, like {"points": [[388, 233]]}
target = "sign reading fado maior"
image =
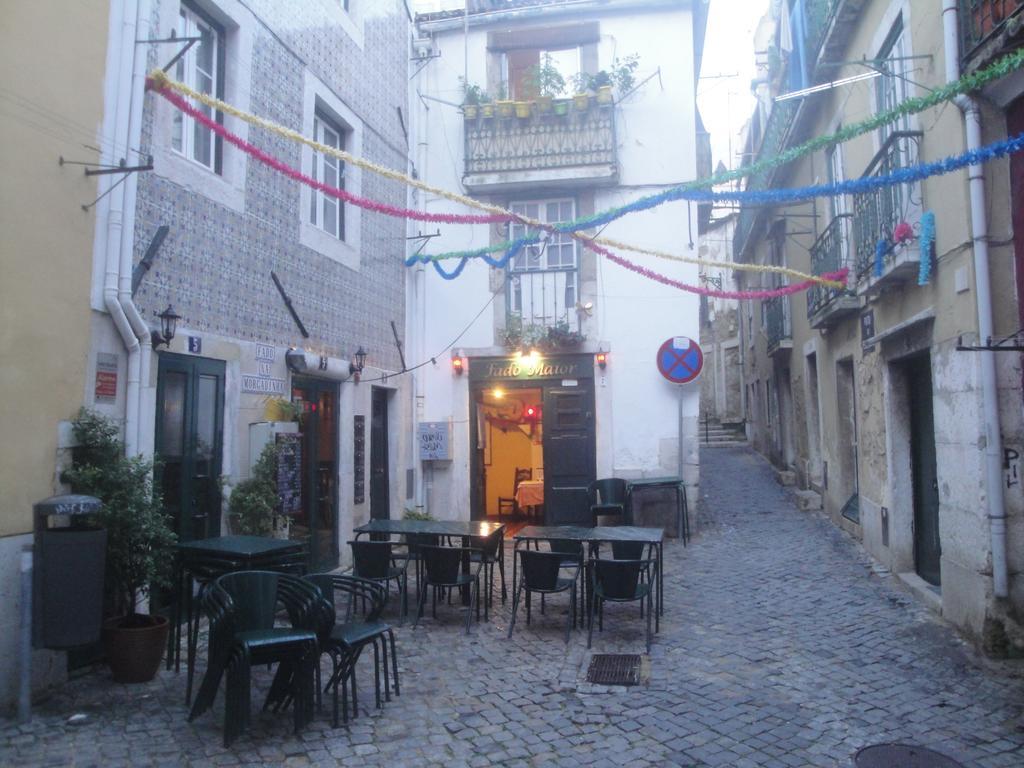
{"points": [[561, 367]]}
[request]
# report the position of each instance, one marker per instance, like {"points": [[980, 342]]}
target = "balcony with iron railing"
{"points": [[987, 29], [888, 218], [564, 148], [541, 307], [830, 253], [820, 29], [778, 327]]}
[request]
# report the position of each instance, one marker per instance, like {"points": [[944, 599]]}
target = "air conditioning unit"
{"points": [[423, 46]]}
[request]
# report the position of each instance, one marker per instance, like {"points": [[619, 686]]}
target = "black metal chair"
{"points": [[508, 504], [620, 581], [345, 638], [608, 498], [242, 609], [377, 561], [450, 568], [413, 542], [491, 553], [541, 572], [572, 554]]}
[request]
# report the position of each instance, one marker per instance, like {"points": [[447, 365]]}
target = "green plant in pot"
{"points": [[473, 98], [140, 543], [547, 82], [252, 506]]}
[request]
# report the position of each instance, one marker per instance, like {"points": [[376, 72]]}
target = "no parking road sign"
{"points": [[680, 359]]}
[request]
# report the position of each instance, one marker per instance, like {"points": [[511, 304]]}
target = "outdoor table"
{"points": [[605, 533], [225, 554], [462, 528], [675, 483]]}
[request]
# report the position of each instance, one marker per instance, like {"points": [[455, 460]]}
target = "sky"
{"points": [[723, 93]]}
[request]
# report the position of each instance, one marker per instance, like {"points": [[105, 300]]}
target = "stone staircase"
{"points": [[721, 435]]}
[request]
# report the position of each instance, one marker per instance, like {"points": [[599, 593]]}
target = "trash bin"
{"points": [[67, 583]]}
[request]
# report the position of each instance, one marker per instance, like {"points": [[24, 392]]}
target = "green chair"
{"points": [[450, 568], [620, 581], [242, 609], [377, 561], [490, 553], [609, 498], [360, 603], [541, 572]]}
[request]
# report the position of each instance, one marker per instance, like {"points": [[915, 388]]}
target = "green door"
{"points": [[570, 453], [927, 547], [189, 442]]}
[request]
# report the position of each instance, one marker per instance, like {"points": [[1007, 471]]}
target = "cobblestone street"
{"points": [[780, 646]]}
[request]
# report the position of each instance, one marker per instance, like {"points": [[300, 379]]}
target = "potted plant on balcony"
{"points": [[548, 83], [581, 85], [620, 79], [139, 543], [504, 106], [474, 96]]}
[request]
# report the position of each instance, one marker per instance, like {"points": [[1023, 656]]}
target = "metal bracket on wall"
{"points": [[103, 169], [1012, 343], [147, 260], [288, 304], [424, 239], [189, 42]]}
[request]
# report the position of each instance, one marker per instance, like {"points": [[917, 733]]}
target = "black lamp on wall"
{"points": [[168, 325], [355, 366]]}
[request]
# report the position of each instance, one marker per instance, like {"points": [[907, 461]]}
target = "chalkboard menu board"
{"points": [[289, 472], [359, 461]]}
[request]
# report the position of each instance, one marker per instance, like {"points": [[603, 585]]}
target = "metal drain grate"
{"points": [[614, 669], [902, 756]]}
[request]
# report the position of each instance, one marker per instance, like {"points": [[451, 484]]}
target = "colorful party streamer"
{"points": [[924, 270]]}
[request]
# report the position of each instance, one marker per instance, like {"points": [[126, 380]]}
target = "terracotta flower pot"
{"points": [[135, 646]]}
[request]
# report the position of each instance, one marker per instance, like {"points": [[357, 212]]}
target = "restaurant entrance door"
{"points": [[317, 522]]}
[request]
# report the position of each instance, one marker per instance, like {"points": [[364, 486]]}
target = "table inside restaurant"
{"points": [[530, 493], [216, 556], [655, 537]]}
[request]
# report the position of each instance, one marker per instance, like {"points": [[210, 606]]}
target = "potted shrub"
{"points": [[140, 543], [581, 86], [280, 409], [252, 506], [548, 83], [473, 97], [503, 105]]}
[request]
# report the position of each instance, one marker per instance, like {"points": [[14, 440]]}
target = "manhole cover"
{"points": [[614, 669], [902, 756]]}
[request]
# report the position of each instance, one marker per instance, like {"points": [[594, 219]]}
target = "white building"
{"points": [[561, 415]]}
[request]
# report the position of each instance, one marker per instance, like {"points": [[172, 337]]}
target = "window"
{"points": [[202, 67], [520, 68], [542, 278], [891, 88], [325, 211]]}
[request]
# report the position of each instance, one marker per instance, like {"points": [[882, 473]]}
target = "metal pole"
{"points": [[25, 638], [679, 390]]}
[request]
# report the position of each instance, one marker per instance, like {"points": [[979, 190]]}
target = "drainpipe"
{"points": [[119, 62], [979, 236], [136, 98]]}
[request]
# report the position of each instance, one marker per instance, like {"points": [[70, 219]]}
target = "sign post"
{"points": [[680, 360]]}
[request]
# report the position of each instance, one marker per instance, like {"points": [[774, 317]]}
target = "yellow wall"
{"points": [[509, 450], [52, 60]]}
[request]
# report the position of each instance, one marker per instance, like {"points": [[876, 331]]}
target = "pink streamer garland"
{"points": [[449, 218], [713, 292], [292, 173]]}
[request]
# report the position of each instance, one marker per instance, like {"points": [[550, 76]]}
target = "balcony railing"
{"points": [[878, 213], [830, 253], [579, 145], [777, 325], [543, 298], [983, 22], [818, 17]]}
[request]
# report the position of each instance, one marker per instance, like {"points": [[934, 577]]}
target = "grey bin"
{"points": [[67, 573]]}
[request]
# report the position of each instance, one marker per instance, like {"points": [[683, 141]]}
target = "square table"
{"points": [[605, 533], [530, 493], [676, 484], [220, 554]]}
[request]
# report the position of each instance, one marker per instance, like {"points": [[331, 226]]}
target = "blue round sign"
{"points": [[680, 359]]}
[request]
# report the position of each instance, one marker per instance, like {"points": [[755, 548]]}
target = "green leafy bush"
{"points": [[253, 502], [139, 534]]}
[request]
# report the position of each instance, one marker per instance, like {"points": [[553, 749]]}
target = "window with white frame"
{"points": [[327, 212], [891, 87], [202, 68], [543, 279]]}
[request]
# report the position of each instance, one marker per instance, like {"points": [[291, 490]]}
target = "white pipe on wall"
{"points": [[983, 287]]}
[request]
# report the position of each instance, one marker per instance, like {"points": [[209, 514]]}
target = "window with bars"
{"points": [[202, 67], [326, 211], [543, 279]]}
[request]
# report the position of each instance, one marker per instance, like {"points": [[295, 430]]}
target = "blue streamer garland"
{"points": [[766, 196], [924, 272], [881, 248]]}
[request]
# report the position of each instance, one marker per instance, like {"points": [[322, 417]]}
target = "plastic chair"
{"points": [[450, 568], [540, 572], [377, 561], [608, 498], [242, 609], [619, 581], [345, 640], [491, 554]]}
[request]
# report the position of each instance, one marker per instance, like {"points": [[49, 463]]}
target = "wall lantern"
{"points": [[458, 364], [601, 358], [168, 325], [358, 361]]}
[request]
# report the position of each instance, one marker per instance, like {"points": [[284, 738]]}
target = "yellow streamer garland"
{"points": [[161, 79]]}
